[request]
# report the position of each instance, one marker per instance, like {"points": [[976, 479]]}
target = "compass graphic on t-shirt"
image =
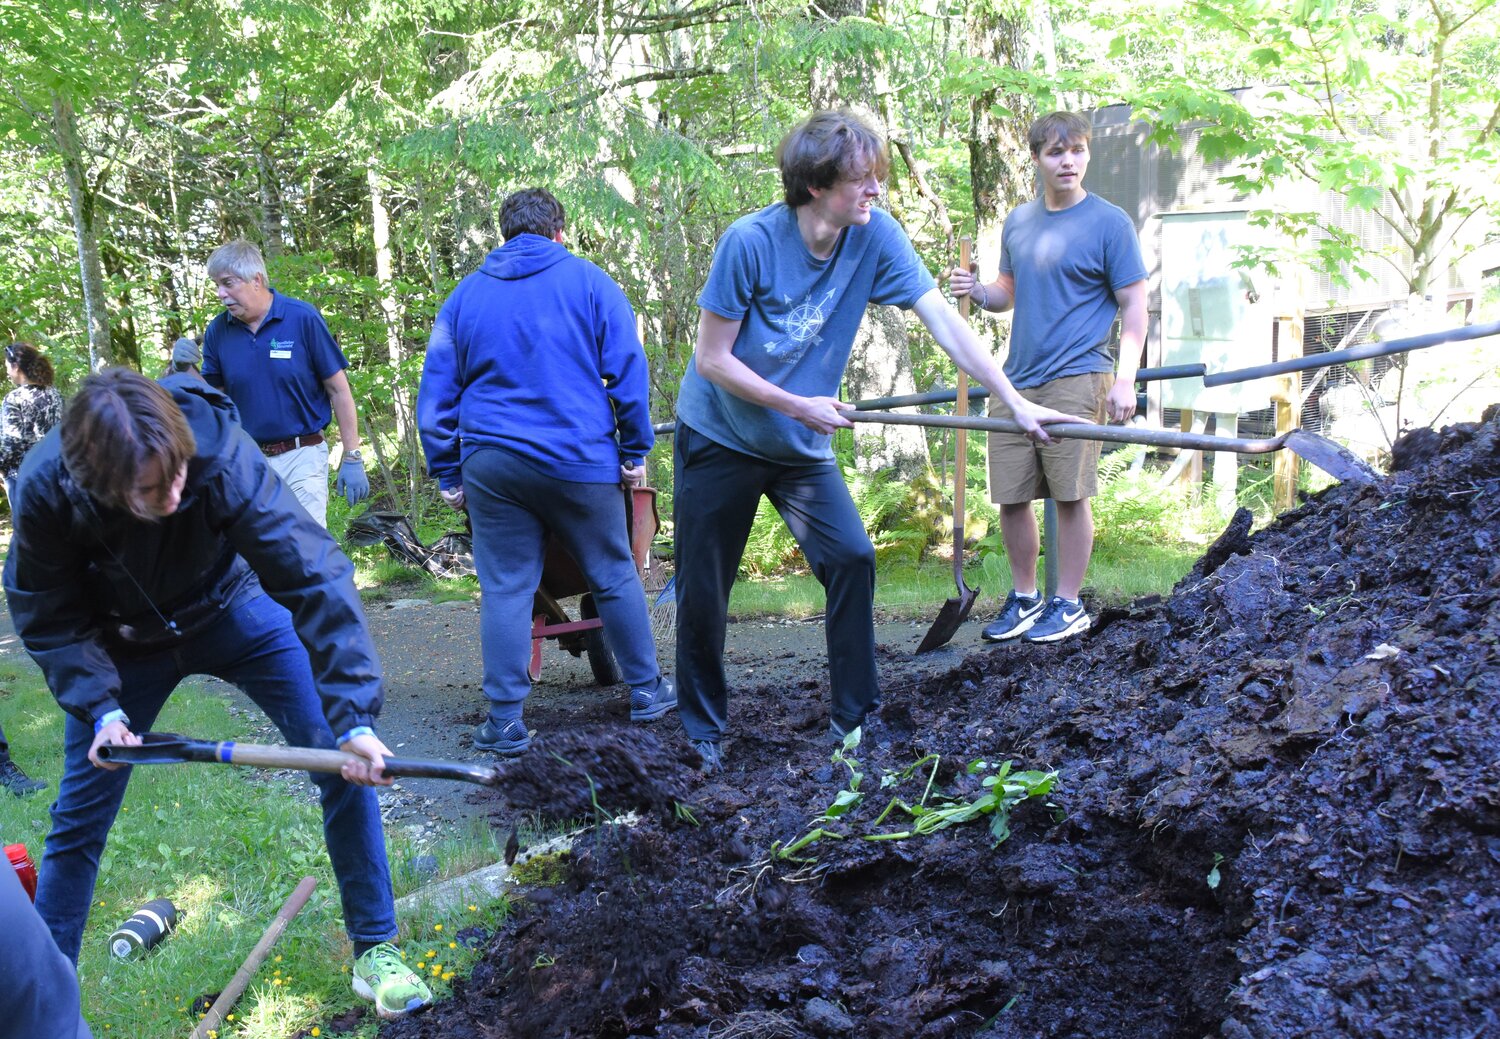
{"points": [[803, 323]]}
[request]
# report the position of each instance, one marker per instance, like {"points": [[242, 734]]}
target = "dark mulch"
{"points": [[1314, 711]]}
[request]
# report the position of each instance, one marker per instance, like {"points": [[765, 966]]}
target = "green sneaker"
{"points": [[382, 975]]}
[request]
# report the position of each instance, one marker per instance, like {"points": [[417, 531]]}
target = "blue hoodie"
{"points": [[535, 353]]}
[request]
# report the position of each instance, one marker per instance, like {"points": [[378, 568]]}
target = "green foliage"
{"points": [[999, 791]]}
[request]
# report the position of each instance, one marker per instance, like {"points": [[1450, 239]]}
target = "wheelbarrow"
{"points": [[561, 578]]}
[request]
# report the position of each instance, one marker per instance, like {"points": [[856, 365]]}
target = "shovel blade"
{"points": [[1334, 459], [949, 619]]}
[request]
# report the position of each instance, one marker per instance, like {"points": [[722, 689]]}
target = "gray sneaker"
{"points": [[509, 740], [1019, 614], [647, 705], [1061, 619], [713, 757], [18, 782]]}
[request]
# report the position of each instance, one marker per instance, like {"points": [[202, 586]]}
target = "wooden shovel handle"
{"points": [[961, 408]]}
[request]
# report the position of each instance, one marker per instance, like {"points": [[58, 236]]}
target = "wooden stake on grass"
{"points": [[241, 979]]}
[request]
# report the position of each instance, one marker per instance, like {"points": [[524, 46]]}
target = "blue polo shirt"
{"points": [[275, 375]]}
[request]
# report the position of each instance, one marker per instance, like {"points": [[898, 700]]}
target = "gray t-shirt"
{"points": [[1067, 266], [798, 318]]}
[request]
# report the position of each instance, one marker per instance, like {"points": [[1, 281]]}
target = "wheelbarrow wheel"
{"points": [[601, 660]]}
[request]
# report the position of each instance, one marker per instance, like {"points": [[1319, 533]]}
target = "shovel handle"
{"points": [[162, 748], [1084, 431], [961, 456]]}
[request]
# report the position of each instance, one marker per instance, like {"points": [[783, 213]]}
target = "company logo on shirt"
{"points": [[281, 349], [802, 325]]}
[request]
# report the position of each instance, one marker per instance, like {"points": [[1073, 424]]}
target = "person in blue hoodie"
{"points": [[155, 542], [533, 412]]}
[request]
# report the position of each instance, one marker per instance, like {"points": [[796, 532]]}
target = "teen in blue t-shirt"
{"points": [[758, 406], [1070, 262]]}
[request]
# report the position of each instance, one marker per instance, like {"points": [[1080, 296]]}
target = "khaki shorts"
{"points": [[1064, 470]]}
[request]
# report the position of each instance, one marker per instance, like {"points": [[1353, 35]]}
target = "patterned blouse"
{"points": [[27, 414]]}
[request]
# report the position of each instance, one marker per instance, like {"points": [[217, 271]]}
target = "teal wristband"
{"points": [[107, 717]]}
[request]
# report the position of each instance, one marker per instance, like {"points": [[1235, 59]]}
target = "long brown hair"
{"points": [[32, 362]]}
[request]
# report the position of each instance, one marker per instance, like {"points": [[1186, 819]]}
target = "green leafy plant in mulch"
{"points": [[1001, 790]]}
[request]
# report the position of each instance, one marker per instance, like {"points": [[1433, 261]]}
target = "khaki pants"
{"points": [[1064, 470], [305, 471]]}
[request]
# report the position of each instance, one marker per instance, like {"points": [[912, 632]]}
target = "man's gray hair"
{"points": [[240, 258]]}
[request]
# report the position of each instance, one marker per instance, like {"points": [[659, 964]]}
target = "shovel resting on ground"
{"points": [[166, 748], [1336, 461], [956, 610]]}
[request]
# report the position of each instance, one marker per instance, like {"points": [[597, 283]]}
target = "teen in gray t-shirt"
{"points": [[798, 316], [1069, 263], [758, 404]]}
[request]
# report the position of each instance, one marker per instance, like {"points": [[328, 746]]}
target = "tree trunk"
{"points": [[880, 364], [390, 309], [1000, 167], [90, 267], [271, 228]]}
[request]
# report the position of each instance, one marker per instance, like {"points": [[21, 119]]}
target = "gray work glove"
{"points": [[352, 482]]}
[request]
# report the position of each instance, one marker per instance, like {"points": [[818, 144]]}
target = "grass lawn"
{"points": [[227, 846], [1118, 573]]}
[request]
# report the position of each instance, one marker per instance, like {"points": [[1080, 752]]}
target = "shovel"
{"points": [[956, 610], [1333, 459], [166, 748]]}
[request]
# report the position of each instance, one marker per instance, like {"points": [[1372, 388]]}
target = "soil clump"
{"points": [[1277, 814]]}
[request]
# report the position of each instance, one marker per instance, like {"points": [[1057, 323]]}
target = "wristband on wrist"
{"points": [[358, 730], [353, 456], [108, 717], [984, 295]]}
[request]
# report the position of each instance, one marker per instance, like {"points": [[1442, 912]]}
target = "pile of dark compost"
{"points": [[1277, 814]]}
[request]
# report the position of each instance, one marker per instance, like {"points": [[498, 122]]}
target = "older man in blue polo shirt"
{"points": [[278, 362]]}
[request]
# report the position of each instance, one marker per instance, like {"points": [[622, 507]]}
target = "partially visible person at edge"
{"points": [[1070, 262], [155, 544], [276, 359], [41, 986], [785, 295], [27, 413], [533, 411]]}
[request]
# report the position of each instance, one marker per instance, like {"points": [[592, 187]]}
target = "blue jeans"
{"points": [[512, 507], [716, 492], [254, 646]]}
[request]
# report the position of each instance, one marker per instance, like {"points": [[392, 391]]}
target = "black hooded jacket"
{"points": [[87, 583]]}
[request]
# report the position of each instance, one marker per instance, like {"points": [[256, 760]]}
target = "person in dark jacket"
{"points": [[154, 543], [41, 988], [533, 411]]}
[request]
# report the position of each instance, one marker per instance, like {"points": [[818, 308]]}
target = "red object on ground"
{"points": [[25, 868]]}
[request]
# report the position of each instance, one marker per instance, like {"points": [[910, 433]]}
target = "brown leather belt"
{"points": [[281, 447]]}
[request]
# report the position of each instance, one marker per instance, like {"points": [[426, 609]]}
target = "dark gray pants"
{"points": [[715, 495]]}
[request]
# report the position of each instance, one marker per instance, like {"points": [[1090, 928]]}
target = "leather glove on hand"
{"points": [[352, 482]]}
